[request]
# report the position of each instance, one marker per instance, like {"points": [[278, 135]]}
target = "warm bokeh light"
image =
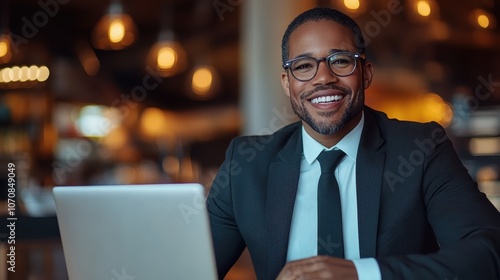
{"points": [[171, 166], [91, 65], [486, 146], [116, 139], [153, 122], [126, 174], [483, 21], [167, 58], [423, 8], [436, 109], [33, 72], [4, 48], [116, 31], [419, 107], [5, 51], [7, 75], [88, 58], [15, 73], [352, 4], [424, 12], [24, 74], [43, 74], [202, 80]]}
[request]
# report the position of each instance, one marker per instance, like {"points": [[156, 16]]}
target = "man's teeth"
{"points": [[325, 99]]}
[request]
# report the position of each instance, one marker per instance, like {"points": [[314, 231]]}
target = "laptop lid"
{"points": [[135, 232]]}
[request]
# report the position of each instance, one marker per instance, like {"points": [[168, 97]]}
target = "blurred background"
{"points": [[122, 92]]}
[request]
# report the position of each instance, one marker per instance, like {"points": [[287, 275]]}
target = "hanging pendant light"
{"points": [[423, 11], [115, 30], [5, 40], [167, 55], [482, 19], [5, 48], [204, 81]]}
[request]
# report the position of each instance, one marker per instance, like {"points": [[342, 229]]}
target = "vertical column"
{"points": [[264, 105]]}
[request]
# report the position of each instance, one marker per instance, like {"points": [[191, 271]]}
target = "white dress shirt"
{"points": [[303, 241]]}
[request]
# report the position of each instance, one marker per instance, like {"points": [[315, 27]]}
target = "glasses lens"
{"points": [[304, 68], [342, 64]]}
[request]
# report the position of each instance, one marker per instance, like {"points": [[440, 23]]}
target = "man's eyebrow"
{"points": [[309, 54], [338, 50]]}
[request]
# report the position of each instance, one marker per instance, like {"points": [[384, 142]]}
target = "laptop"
{"points": [[133, 232]]}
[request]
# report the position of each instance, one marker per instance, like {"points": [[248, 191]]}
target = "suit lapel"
{"points": [[369, 175], [284, 172]]}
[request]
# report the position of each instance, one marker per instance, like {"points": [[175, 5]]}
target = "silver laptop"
{"points": [[135, 232]]}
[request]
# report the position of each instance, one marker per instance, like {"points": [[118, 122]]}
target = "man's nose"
{"points": [[324, 75]]}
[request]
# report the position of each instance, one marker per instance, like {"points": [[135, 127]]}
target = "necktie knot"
{"points": [[328, 160]]}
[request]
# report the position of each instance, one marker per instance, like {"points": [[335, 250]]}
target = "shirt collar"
{"points": [[349, 144]]}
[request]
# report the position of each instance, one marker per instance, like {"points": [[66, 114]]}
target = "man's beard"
{"points": [[329, 128]]}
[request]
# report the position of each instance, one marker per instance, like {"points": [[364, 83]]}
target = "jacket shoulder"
{"points": [[401, 129], [276, 138], [264, 146]]}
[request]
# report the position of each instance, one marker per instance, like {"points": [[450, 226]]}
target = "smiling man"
{"points": [[363, 217]]}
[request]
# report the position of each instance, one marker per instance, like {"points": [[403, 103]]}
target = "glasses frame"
{"points": [[288, 63]]}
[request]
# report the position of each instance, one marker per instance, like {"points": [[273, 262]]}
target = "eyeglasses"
{"points": [[304, 68]]}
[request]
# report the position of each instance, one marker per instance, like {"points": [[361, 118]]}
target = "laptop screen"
{"points": [[135, 232]]}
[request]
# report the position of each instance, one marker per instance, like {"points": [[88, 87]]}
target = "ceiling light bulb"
{"points": [[352, 4], [4, 48], [202, 80], [483, 21], [5, 52], [167, 57], [116, 30], [423, 8]]}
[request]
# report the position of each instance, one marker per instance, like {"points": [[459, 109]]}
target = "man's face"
{"points": [[342, 113]]}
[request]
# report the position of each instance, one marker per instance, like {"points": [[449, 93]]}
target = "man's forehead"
{"points": [[332, 36]]}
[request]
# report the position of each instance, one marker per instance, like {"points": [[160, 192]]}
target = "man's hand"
{"points": [[319, 267]]}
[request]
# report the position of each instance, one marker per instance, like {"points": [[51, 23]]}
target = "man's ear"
{"points": [[367, 75], [285, 83]]}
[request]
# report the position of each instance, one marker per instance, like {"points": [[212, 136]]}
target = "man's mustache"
{"points": [[307, 94]]}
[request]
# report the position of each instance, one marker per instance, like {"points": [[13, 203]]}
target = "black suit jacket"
{"points": [[419, 212]]}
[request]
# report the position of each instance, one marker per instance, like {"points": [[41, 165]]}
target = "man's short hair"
{"points": [[318, 14]]}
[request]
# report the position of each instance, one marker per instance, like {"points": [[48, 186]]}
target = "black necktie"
{"points": [[330, 240]]}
